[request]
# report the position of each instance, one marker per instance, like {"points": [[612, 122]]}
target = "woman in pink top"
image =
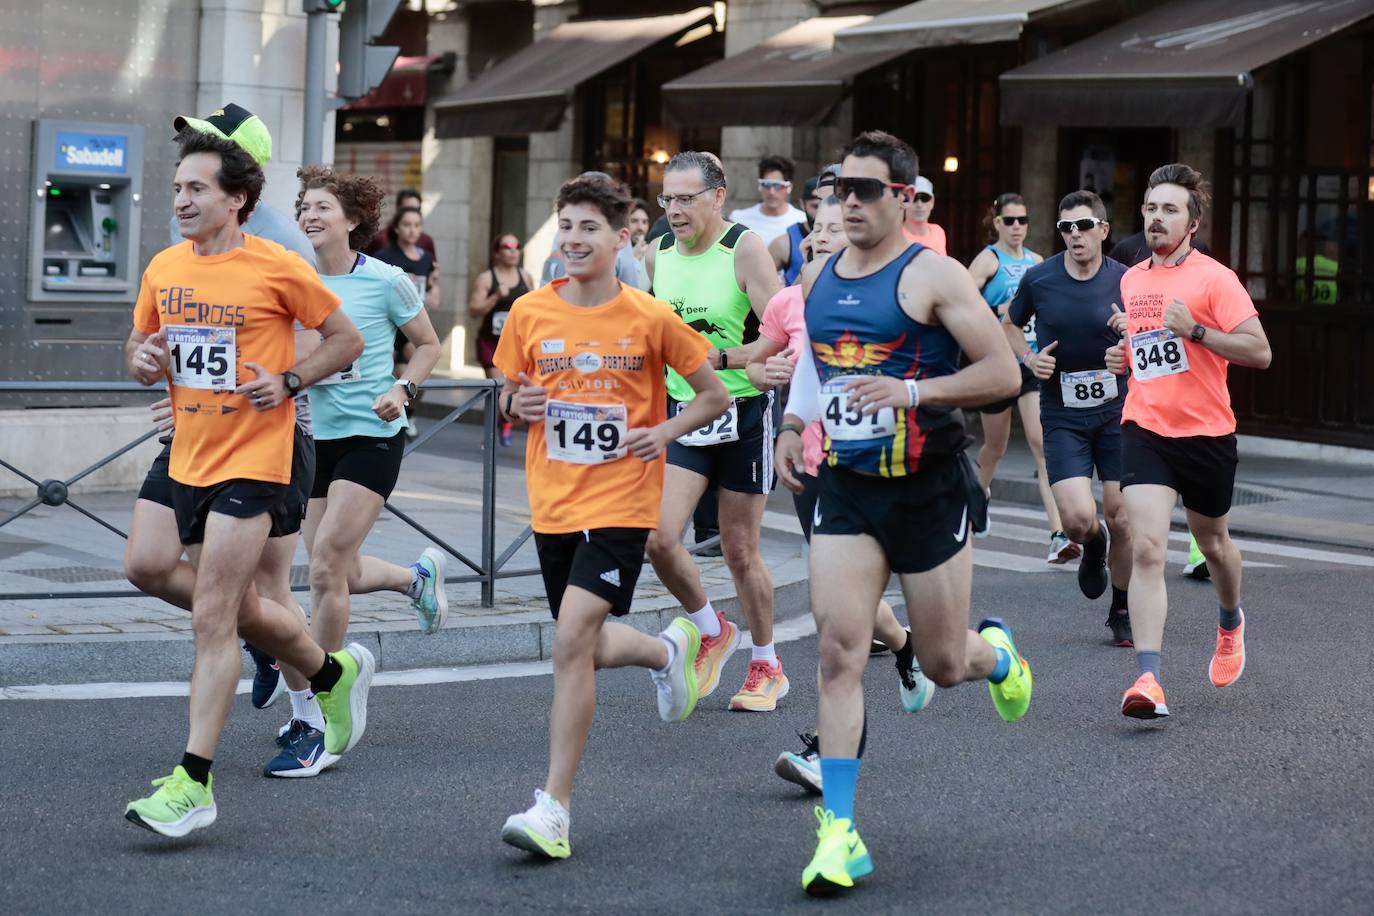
{"points": [[783, 340]]}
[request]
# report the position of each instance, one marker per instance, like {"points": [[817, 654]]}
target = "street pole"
{"points": [[316, 33]]}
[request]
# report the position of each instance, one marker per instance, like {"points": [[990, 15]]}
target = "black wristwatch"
{"points": [[410, 387], [724, 359], [1199, 332], [292, 381]]}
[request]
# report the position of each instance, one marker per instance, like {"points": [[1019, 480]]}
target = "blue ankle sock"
{"points": [[1146, 660], [1229, 617], [1003, 666], [839, 777]]}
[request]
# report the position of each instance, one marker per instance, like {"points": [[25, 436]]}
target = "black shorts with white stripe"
{"points": [[744, 465], [603, 561]]}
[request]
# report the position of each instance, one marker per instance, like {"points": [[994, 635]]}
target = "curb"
{"points": [[523, 636]]}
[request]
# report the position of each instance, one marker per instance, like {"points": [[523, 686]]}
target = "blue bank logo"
{"points": [[82, 152]]}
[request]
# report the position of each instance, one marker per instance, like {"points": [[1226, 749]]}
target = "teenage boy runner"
{"points": [[1070, 296], [1187, 318], [584, 361], [215, 316], [897, 493]]}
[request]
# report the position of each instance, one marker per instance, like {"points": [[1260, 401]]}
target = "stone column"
{"points": [[1039, 166], [1197, 146], [554, 155]]}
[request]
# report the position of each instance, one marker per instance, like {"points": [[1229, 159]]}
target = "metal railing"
{"points": [[486, 570]]}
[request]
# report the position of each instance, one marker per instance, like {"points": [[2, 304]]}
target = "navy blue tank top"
{"points": [[857, 328], [795, 260]]}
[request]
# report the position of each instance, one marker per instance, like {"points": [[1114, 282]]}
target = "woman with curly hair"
{"points": [[359, 415]]}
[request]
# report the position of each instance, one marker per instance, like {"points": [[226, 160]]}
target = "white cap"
{"points": [[923, 186]]}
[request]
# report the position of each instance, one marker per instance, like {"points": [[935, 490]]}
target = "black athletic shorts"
{"points": [[920, 521], [238, 498], [365, 460], [1077, 441], [603, 561], [157, 485], [805, 501], [743, 466], [1029, 383], [1201, 469]]}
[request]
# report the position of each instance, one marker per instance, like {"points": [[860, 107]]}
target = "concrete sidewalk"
{"points": [[137, 638]]}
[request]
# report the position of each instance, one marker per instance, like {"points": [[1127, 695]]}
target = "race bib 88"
{"points": [[584, 433], [1087, 389], [202, 357]]}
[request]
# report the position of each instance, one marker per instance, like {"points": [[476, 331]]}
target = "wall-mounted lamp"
{"points": [[660, 156], [951, 163]]}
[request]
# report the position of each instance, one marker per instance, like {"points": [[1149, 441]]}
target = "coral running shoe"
{"points": [[764, 685], [1229, 660], [1145, 699], [714, 652]]}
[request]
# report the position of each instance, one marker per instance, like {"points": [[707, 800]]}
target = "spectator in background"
{"points": [[639, 237], [406, 197], [404, 251], [918, 227], [492, 296], [774, 212]]}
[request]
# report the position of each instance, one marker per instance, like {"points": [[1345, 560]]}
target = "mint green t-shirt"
{"points": [[379, 299], [702, 289]]}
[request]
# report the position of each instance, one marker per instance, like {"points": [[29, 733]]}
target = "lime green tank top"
{"points": [[703, 291]]}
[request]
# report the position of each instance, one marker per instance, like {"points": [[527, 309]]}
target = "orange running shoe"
{"points": [[1229, 660], [1145, 699], [764, 685], [714, 652]]}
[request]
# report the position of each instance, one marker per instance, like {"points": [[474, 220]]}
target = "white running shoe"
{"points": [[1062, 550], [542, 829], [916, 689], [804, 768], [677, 684]]}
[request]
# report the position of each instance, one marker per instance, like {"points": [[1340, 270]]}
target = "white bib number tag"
{"points": [[843, 421], [1157, 353], [202, 357], [349, 373], [1087, 389], [724, 428], [584, 433], [498, 321]]}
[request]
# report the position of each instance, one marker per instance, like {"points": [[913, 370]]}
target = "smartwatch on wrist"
{"points": [[292, 381], [410, 387], [1199, 332], [724, 360], [792, 428]]}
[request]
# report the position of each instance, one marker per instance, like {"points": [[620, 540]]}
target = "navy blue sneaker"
{"points": [[268, 684], [302, 753]]}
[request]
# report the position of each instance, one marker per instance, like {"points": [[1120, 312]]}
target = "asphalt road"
{"points": [[1253, 799]]}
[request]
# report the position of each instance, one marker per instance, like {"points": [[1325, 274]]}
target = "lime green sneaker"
{"points": [[840, 856], [1011, 697], [345, 707], [179, 805]]}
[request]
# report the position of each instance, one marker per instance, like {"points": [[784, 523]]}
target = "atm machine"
{"points": [[87, 185]]}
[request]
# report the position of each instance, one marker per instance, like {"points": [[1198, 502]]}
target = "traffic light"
{"points": [[363, 65]]}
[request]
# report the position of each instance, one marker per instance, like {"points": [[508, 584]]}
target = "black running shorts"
{"points": [[157, 485], [805, 501], [237, 498], [1029, 383], [920, 521], [369, 462], [1201, 469], [1079, 441], [603, 561], [743, 466]]}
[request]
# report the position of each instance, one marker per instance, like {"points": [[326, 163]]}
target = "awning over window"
{"points": [[529, 90], [795, 78], [1187, 64], [941, 23], [406, 86]]}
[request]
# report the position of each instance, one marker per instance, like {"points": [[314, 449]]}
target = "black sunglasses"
{"points": [[867, 190], [924, 198], [1082, 225], [1013, 220]]}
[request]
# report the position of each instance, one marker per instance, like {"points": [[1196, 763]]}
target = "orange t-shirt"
{"points": [[604, 371], [1180, 397], [934, 239], [222, 311]]}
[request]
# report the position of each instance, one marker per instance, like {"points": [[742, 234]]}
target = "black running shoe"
{"points": [[877, 648], [268, 684], [1093, 577], [1120, 624]]}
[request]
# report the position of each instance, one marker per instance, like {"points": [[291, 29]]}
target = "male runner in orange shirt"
{"points": [[584, 361], [1187, 318], [215, 318]]}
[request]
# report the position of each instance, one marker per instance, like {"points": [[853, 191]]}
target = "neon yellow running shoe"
{"points": [[840, 856], [345, 707], [1011, 697], [179, 805]]}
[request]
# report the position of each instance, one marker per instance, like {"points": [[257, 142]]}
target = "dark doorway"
{"points": [[1116, 164]]}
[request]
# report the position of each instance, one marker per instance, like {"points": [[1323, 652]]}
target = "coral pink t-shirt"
{"points": [[784, 323], [1180, 397], [934, 239]]}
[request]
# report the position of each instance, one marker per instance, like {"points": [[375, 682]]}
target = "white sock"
{"points": [[672, 653], [305, 707], [766, 654], [417, 583], [706, 620]]}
